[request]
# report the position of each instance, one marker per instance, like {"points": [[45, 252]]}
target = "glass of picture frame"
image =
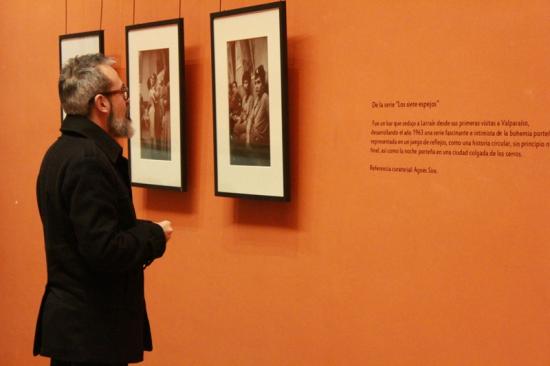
{"points": [[249, 82], [155, 74]]}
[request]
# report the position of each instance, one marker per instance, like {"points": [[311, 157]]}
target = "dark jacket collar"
{"points": [[83, 126]]}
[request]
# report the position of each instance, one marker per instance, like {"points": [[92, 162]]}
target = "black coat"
{"points": [[93, 309]]}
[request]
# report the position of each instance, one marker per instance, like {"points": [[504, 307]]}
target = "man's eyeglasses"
{"points": [[123, 90]]}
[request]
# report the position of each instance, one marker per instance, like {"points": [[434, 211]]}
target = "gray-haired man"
{"points": [[93, 309]]}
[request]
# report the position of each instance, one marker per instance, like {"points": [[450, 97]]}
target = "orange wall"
{"points": [[362, 267]]}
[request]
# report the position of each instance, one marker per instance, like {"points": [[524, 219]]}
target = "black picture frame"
{"points": [[77, 44], [251, 147], [156, 82]]}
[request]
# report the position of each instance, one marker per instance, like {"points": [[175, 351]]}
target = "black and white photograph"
{"points": [[250, 102], [156, 83], [154, 104]]}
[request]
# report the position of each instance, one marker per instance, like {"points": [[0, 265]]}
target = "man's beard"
{"points": [[120, 127]]}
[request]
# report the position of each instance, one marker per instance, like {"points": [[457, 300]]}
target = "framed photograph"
{"points": [[249, 82], [154, 52], [77, 44]]}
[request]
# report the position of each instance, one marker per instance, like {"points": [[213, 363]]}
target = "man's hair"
{"points": [[80, 80]]}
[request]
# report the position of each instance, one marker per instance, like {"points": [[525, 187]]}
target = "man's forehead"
{"points": [[111, 74]]}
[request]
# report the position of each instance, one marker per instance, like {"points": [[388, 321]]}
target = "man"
{"points": [[93, 309]]}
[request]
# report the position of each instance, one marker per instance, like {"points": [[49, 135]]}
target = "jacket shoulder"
{"points": [[70, 149]]}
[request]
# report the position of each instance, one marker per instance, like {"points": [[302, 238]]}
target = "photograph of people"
{"points": [[248, 102], [155, 104]]}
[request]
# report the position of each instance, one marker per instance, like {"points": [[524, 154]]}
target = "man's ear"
{"points": [[102, 103]]}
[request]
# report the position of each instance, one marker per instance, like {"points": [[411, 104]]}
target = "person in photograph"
{"points": [[151, 87], [164, 96], [93, 309], [259, 118], [241, 128], [143, 114], [159, 110], [234, 104]]}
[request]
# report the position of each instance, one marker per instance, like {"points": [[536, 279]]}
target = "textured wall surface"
{"points": [[362, 267]]}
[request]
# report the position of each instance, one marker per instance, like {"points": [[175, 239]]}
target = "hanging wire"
{"points": [[220, 5], [179, 10], [134, 13], [66, 16], [101, 16]]}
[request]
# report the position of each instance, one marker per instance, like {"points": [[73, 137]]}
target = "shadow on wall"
{"points": [[245, 211], [184, 202], [281, 214]]}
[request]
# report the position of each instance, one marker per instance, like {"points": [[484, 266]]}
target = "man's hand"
{"points": [[167, 228]]}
